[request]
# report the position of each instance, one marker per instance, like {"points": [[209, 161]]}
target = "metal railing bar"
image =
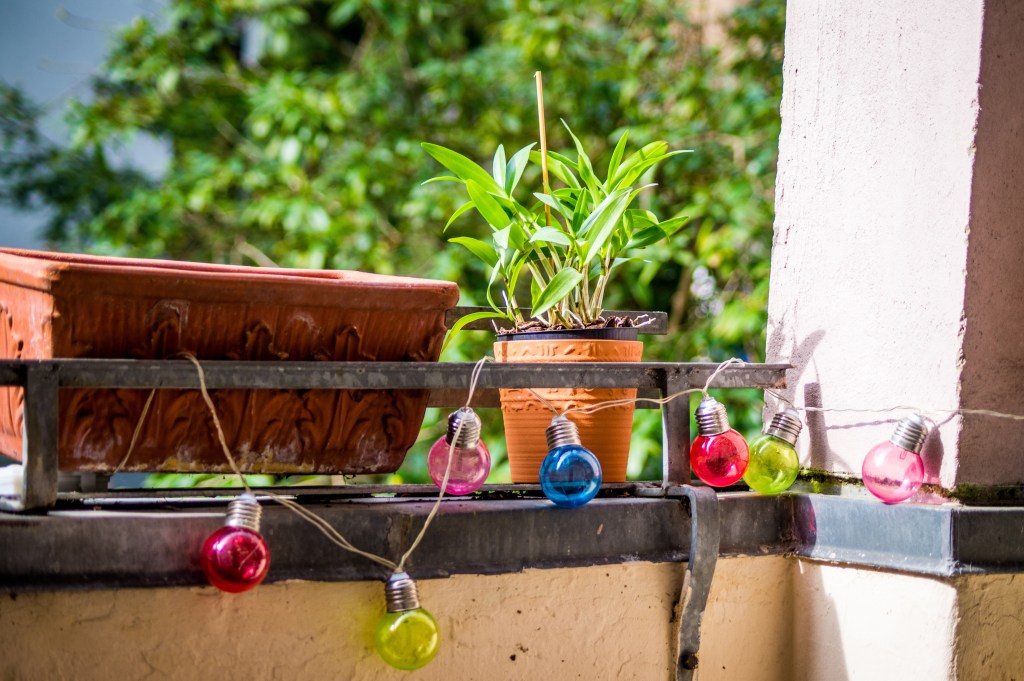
{"points": [[221, 374]]}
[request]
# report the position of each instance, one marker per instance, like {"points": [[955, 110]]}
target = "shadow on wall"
{"points": [[817, 648]]}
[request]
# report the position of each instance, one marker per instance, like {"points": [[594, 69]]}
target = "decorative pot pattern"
{"points": [[58, 305], [606, 433]]}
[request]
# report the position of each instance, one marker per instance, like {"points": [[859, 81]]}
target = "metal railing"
{"points": [[447, 383]]}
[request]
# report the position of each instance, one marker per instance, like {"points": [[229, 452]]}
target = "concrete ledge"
{"points": [[110, 545]]}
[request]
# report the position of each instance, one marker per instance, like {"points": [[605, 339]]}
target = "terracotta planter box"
{"points": [[59, 305]]}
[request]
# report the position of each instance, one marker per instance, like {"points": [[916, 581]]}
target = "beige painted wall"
{"points": [[990, 640], [611, 622], [769, 619]]}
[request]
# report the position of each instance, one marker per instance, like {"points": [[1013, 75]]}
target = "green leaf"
{"points": [[579, 213], [554, 203], [480, 249], [535, 289], [557, 168], [444, 178], [646, 237], [488, 206], [498, 166], [516, 167], [602, 223], [461, 166], [673, 225], [551, 235], [560, 286], [613, 165], [513, 237], [640, 162], [518, 236], [459, 211], [585, 168], [469, 319], [648, 151]]}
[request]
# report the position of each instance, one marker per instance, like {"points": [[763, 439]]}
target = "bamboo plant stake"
{"points": [[543, 143]]}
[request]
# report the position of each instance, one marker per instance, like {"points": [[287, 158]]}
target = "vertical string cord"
{"points": [[474, 378], [137, 432], [732, 361], [216, 421]]}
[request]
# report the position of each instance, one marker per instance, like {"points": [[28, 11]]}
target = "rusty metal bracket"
{"points": [[39, 450], [705, 537]]}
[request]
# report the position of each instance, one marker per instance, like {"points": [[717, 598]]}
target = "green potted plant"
{"points": [[559, 247]]}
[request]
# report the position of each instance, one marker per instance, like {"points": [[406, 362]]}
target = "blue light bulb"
{"points": [[570, 474]]}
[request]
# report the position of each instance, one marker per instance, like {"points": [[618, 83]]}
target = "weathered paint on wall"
{"points": [[611, 622], [608, 622], [990, 638], [748, 631]]}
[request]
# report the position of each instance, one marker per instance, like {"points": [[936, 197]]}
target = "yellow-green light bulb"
{"points": [[407, 636], [774, 464]]}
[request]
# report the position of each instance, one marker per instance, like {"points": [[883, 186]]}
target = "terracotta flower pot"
{"points": [[60, 305], [606, 433]]}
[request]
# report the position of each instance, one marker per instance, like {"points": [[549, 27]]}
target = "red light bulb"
{"points": [[719, 455], [893, 470], [235, 558]]}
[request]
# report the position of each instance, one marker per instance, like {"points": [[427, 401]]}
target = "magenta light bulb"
{"points": [[471, 462], [235, 558], [893, 470], [719, 455]]}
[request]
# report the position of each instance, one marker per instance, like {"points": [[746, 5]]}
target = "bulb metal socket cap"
{"points": [[786, 425], [910, 433], [469, 436], [401, 593], [562, 432], [245, 512], [711, 417]]}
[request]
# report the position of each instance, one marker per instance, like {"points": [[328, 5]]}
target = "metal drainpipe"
{"points": [[705, 534]]}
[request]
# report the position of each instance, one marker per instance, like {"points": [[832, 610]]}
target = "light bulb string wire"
{"points": [[926, 412], [611, 403], [315, 520], [324, 527]]}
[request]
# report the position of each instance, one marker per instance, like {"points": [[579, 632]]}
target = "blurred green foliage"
{"points": [[294, 130]]}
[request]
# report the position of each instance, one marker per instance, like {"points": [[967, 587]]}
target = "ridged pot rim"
{"points": [[627, 333]]}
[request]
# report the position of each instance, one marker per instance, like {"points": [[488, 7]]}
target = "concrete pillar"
{"points": [[898, 279], [898, 262]]}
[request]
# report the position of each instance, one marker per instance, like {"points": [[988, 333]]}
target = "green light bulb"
{"points": [[407, 636], [774, 464]]}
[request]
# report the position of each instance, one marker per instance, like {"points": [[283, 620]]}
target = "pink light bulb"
{"points": [[471, 461], [893, 470], [719, 455], [235, 558]]}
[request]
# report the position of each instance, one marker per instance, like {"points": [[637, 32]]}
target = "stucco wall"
{"points": [[990, 640], [611, 622], [873, 205], [993, 356], [854, 624]]}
